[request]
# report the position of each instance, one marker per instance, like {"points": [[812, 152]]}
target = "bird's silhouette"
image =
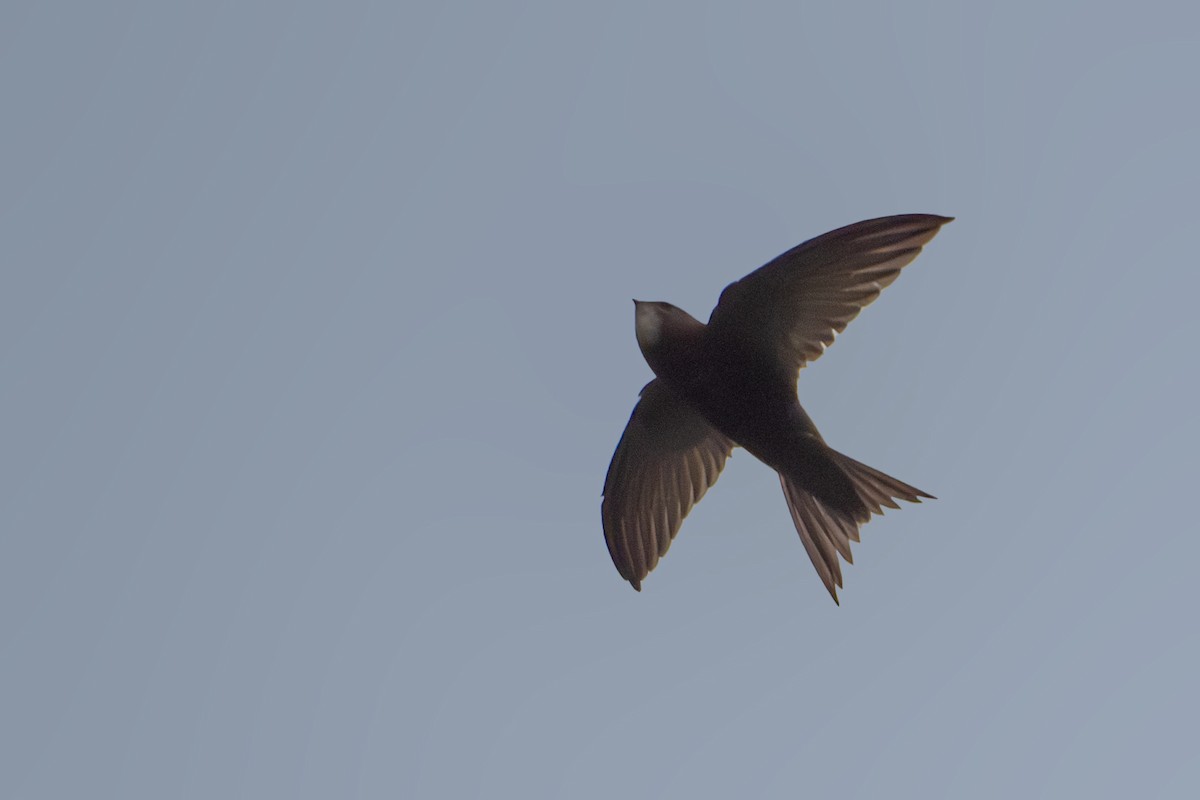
{"points": [[732, 382]]}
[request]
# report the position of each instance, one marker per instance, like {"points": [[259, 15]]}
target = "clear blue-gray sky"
{"points": [[315, 342]]}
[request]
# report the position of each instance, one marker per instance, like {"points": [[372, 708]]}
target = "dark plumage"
{"points": [[732, 383]]}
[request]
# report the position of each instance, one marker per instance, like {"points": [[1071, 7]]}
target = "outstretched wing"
{"points": [[800, 301], [666, 460]]}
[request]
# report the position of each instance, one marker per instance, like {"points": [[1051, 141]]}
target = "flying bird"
{"points": [[732, 383]]}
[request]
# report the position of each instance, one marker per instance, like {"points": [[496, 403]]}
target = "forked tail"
{"points": [[827, 531]]}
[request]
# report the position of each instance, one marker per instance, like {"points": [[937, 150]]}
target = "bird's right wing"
{"points": [[666, 460], [801, 300]]}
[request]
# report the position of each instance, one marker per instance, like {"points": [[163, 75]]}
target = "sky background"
{"points": [[315, 343]]}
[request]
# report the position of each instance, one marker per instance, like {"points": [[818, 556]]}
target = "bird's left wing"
{"points": [[666, 460], [801, 300]]}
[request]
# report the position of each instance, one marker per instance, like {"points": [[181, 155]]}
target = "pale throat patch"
{"points": [[649, 326]]}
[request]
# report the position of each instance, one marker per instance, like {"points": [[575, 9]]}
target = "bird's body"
{"points": [[732, 382], [743, 393]]}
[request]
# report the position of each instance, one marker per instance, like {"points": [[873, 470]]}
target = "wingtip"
{"points": [[637, 585], [939, 219], [933, 220]]}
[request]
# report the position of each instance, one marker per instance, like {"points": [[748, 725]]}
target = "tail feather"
{"points": [[875, 488], [825, 531]]}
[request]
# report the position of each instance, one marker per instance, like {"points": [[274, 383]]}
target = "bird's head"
{"points": [[654, 321], [662, 327]]}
